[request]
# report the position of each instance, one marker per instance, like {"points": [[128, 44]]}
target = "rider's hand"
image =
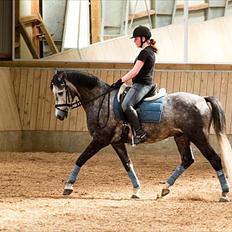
{"points": [[117, 84]]}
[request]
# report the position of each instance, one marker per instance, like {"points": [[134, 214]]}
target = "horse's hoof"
{"points": [[165, 192], [135, 196], [68, 189], [224, 199]]}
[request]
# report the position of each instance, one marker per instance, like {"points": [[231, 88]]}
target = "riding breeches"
{"points": [[135, 94]]}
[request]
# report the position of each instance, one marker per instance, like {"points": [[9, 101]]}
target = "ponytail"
{"points": [[152, 45]]}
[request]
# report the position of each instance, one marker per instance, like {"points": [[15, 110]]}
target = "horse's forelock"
{"points": [[58, 78]]}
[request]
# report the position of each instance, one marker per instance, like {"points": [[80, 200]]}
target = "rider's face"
{"points": [[137, 41]]}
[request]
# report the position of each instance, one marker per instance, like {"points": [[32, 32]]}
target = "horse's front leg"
{"points": [[89, 152], [120, 148]]}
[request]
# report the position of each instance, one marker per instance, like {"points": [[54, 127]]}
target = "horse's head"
{"points": [[62, 95], [67, 85]]}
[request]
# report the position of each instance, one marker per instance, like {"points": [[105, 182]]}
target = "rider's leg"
{"points": [[135, 95], [132, 116]]}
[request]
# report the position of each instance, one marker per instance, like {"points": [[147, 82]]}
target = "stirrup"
{"points": [[140, 138]]}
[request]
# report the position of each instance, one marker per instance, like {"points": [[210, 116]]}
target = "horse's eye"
{"points": [[60, 93]]}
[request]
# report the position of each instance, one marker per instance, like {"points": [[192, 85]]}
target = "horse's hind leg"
{"points": [[209, 153], [183, 145], [90, 151], [120, 149]]}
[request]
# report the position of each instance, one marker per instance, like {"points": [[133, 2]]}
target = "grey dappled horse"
{"points": [[186, 117]]}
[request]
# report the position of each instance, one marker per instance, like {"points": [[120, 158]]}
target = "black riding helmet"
{"points": [[142, 31]]}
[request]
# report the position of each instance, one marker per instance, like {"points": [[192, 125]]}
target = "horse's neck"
{"points": [[87, 94]]}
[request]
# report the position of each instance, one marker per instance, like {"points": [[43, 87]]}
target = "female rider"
{"points": [[141, 75]]}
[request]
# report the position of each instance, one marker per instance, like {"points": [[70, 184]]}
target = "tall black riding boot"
{"points": [[132, 117]]}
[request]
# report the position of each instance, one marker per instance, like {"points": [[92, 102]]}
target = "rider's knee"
{"points": [[125, 106]]}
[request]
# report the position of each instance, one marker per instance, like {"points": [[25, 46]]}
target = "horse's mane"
{"points": [[83, 79]]}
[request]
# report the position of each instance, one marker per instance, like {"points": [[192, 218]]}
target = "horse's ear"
{"points": [[60, 74]]}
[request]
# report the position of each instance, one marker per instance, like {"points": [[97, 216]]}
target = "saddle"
{"points": [[149, 109]]}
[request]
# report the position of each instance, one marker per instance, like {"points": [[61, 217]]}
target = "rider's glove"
{"points": [[117, 84]]}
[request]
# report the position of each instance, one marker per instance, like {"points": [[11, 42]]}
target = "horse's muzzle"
{"points": [[61, 114], [60, 117]]}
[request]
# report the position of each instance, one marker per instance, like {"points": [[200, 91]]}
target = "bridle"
{"points": [[67, 103], [79, 103]]}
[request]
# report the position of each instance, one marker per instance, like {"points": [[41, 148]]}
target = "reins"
{"points": [[108, 110], [93, 99]]}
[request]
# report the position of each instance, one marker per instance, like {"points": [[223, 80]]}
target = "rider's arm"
{"points": [[134, 71]]}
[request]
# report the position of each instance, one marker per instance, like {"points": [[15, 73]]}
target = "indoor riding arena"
{"points": [[38, 151]]}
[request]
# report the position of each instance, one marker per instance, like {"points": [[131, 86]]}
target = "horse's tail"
{"points": [[219, 122], [218, 115]]}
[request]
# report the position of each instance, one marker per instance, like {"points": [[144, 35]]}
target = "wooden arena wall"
{"points": [[27, 103]]}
